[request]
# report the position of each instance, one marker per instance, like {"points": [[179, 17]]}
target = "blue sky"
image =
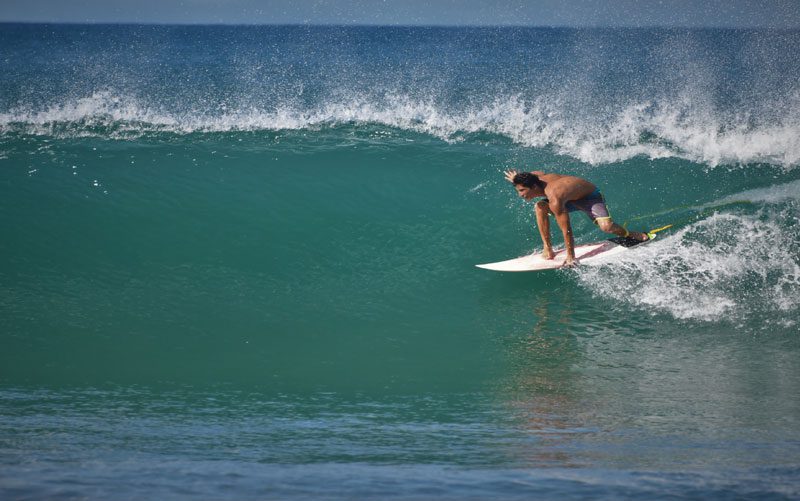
{"points": [[684, 13]]}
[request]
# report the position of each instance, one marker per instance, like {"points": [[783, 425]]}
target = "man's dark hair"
{"points": [[528, 180]]}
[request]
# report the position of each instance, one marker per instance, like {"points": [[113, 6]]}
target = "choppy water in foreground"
{"points": [[239, 263]]}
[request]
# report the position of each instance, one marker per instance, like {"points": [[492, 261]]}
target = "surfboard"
{"points": [[585, 254]]}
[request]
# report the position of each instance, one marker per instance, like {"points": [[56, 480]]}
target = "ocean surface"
{"points": [[238, 263]]}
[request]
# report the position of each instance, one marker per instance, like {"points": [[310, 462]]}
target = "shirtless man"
{"points": [[565, 194]]}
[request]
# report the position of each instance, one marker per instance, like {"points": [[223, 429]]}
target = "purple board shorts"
{"points": [[593, 205]]}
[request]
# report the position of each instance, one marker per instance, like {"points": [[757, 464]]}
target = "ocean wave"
{"points": [[683, 128], [730, 266]]}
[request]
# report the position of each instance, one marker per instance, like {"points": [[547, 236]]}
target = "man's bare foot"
{"points": [[548, 254], [636, 235]]}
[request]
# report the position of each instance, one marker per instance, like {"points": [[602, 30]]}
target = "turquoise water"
{"points": [[239, 263]]}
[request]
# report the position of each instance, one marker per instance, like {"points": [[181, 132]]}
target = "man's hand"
{"points": [[510, 175], [569, 263]]}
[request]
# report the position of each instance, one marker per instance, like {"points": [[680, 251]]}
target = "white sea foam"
{"points": [[769, 195], [684, 128], [729, 266]]}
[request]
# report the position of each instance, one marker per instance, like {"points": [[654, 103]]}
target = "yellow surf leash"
{"points": [[652, 233], [701, 211]]}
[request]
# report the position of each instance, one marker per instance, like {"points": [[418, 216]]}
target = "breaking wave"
{"points": [[650, 129]]}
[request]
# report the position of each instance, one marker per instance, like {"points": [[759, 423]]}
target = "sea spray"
{"points": [[722, 97]]}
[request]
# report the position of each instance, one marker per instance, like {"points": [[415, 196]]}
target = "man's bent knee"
{"points": [[605, 224]]}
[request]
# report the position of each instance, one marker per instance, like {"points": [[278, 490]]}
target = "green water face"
{"points": [[269, 260], [215, 263]]}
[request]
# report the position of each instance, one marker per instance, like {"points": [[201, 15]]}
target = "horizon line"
{"points": [[399, 25]]}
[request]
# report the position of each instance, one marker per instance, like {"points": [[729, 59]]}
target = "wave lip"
{"points": [[651, 129]]}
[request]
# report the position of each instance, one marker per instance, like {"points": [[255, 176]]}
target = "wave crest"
{"points": [[655, 129]]}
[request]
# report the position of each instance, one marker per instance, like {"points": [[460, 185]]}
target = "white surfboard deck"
{"points": [[585, 254]]}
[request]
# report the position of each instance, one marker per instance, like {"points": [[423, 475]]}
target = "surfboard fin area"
{"points": [[585, 254]]}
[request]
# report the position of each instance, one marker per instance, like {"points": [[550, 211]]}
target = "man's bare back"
{"points": [[560, 189]]}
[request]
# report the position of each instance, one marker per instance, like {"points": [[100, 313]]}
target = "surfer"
{"points": [[565, 194]]}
